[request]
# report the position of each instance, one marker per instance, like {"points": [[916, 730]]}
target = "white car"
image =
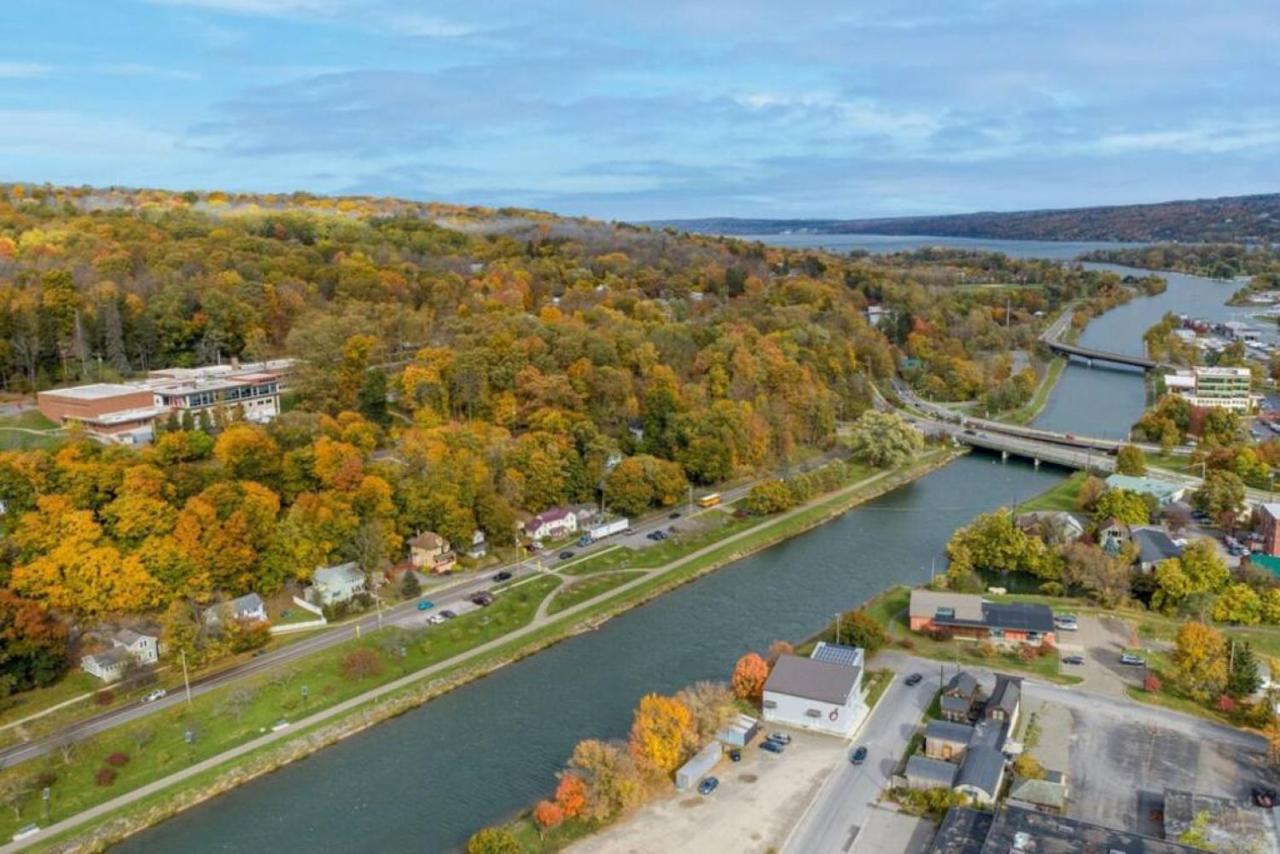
{"points": [[157, 694], [435, 620]]}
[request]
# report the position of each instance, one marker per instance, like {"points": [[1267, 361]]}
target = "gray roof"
{"points": [[962, 683], [948, 731], [247, 602], [342, 573], [1045, 792], [128, 636], [110, 657], [922, 769], [1007, 695], [956, 705], [981, 769], [1018, 615], [1018, 829], [813, 680], [1154, 545], [963, 831], [925, 603]]}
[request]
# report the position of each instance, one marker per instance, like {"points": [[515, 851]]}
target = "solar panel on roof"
{"points": [[846, 655]]}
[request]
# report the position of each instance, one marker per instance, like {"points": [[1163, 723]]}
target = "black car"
{"points": [[859, 756], [1073, 659], [502, 576], [735, 755], [447, 614], [675, 515], [914, 679], [565, 555], [484, 600]]}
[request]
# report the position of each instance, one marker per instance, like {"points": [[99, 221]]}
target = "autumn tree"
{"points": [[1087, 567], [1128, 507], [33, 645], [494, 840], [613, 782], [1200, 659], [769, 496], [749, 676], [1130, 460], [1239, 604], [248, 452], [660, 733], [547, 815], [571, 795], [712, 706], [883, 439], [1220, 496]]}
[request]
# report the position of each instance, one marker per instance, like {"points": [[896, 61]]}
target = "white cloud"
{"points": [[1198, 139], [24, 69], [428, 26]]}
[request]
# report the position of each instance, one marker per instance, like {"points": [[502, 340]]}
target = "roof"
{"points": [[948, 731], [1112, 522], [122, 416], [963, 831], [955, 705], [342, 573], [429, 540], [1148, 485], [1154, 545], [1018, 615], [921, 768], [982, 768], [240, 605], [128, 637], [1270, 563], [925, 603], [97, 391], [1016, 828], [110, 657], [554, 514], [849, 656], [1047, 793], [962, 683], [1007, 694], [813, 680], [1272, 510], [1227, 824]]}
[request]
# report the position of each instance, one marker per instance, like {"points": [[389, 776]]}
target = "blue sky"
{"points": [[643, 109]]}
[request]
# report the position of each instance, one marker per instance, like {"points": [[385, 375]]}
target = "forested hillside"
{"points": [[1234, 219], [458, 368]]}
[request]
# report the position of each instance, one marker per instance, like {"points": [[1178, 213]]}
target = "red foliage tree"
{"points": [[547, 814], [571, 795], [749, 676], [1151, 684], [361, 664]]}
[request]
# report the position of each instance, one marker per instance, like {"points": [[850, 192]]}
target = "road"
{"points": [[453, 596], [843, 804]]}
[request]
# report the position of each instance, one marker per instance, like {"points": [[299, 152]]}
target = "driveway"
{"points": [[1100, 640]]}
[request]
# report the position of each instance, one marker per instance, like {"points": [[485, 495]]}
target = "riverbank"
{"points": [[213, 776]]}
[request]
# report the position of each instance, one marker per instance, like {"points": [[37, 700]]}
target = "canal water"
{"points": [[428, 779]]}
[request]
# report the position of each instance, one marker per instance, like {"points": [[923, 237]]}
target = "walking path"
{"points": [[539, 622]]}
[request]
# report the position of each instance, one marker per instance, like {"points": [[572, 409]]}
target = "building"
{"points": [[331, 585], [740, 732], [1228, 388], [1005, 701], [1164, 492], [946, 740], [247, 608], [965, 615], [1154, 545], [479, 545], [925, 773], [1269, 519], [961, 698], [981, 774], [1018, 829], [977, 750], [552, 524], [1047, 794], [127, 647], [1113, 535], [431, 552], [1056, 527], [821, 695], [1226, 824], [127, 412], [688, 774]]}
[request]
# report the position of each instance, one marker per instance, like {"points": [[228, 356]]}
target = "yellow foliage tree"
{"points": [[662, 728]]}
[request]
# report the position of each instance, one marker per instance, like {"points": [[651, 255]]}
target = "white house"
{"points": [[127, 647], [479, 545], [818, 693], [552, 524], [248, 607], [339, 583]]}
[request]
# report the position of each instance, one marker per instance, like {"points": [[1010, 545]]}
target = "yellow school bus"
{"points": [[711, 499]]}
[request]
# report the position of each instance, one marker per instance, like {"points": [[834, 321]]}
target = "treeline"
{"points": [[1214, 260]]}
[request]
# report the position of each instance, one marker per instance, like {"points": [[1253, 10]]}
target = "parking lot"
{"points": [[755, 806], [1100, 640]]}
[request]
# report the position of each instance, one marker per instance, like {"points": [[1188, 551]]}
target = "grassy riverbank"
{"points": [[1028, 411], [733, 543]]}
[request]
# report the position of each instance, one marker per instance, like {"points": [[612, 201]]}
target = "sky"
{"points": [[652, 109]]}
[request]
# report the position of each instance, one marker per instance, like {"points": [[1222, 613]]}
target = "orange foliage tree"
{"points": [[571, 795], [749, 676], [547, 814]]}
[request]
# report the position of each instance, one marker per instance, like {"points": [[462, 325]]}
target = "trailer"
{"points": [[608, 529], [696, 768]]}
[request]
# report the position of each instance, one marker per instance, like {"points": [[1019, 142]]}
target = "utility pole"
{"points": [[185, 678], [837, 628]]}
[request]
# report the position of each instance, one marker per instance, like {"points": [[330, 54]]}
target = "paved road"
{"points": [[842, 806]]}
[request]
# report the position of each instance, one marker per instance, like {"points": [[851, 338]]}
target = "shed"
{"points": [[925, 773], [688, 774], [740, 732]]}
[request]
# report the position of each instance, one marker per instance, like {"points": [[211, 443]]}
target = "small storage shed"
{"points": [[688, 775], [740, 732]]}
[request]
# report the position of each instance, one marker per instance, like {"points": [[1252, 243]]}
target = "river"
{"points": [[426, 780]]}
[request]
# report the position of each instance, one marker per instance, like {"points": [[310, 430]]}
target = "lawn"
{"points": [[876, 683], [614, 557], [157, 745], [1059, 497], [589, 588], [1026, 413], [19, 439], [76, 683]]}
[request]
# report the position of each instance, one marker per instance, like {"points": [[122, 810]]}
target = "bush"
{"points": [[118, 759], [1226, 705], [1026, 652], [103, 697], [907, 643], [45, 779], [105, 776], [1151, 684], [361, 664], [987, 649]]}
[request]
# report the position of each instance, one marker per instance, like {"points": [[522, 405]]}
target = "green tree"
{"points": [[1131, 460], [410, 587], [1242, 673], [993, 542], [1128, 507], [1220, 496], [769, 496], [883, 439], [494, 840], [1238, 604]]}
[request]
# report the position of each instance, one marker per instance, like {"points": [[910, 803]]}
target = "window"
{"points": [[814, 713], [946, 613], [997, 633], [770, 704]]}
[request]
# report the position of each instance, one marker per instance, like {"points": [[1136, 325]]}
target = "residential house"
{"points": [[431, 552], [981, 774], [1005, 701], [331, 585], [946, 740], [1056, 527], [961, 697], [479, 545], [965, 615], [1154, 545], [925, 773], [1113, 535], [817, 693], [247, 608], [586, 514], [127, 647], [552, 524], [1165, 492]]}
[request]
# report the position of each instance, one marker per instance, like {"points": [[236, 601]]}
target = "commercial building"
{"points": [[965, 615], [1269, 516], [1017, 829], [127, 412], [823, 692], [1227, 388], [1165, 492]]}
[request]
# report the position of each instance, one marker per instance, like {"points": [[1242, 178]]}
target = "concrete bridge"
{"points": [[1038, 452]]}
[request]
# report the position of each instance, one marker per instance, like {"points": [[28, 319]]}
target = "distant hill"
{"points": [[1233, 219]]}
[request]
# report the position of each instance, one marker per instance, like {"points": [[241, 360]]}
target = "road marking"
{"points": [[853, 834]]}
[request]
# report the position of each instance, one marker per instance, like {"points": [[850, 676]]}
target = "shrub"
{"points": [[1151, 684], [45, 779], [1026, 652], [105, 776], [907, 643], [1226, 704], [103, 697], [118, 759], [361, 664], [987, 649]]}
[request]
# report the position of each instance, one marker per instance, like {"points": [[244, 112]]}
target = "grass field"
{"points": [[589, 588], [14, 435], [1026, 413], [1060, 497]]}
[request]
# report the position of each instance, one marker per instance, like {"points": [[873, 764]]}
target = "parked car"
{"points": [[502, 576], [675, 515], [1073, 659], [771, 746], [1130, 658], [436, 619], [780, 737], [157, 694], [447, 614], [565, 555], [484, 600], [425, 604], [628, 531], [708, 786], [914, 679], [859, 756], [735, 755], [1264, 796]]}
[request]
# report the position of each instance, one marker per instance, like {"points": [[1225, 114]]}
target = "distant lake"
{"points": [[888, 243]]}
